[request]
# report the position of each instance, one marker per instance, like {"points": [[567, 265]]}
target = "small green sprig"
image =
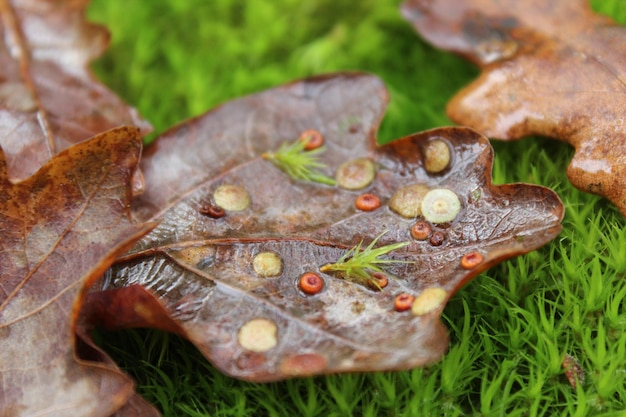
{"points": [[299, 163], [360, 264]]}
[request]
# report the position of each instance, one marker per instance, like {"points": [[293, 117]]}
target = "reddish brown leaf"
{"points": [[262, 323], [551, 68], [61, 229], [573, 371], [48, 98]]}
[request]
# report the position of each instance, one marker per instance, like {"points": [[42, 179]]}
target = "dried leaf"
{"points": [[48, 98], [61, 229], [232, 282], [549, 68]]}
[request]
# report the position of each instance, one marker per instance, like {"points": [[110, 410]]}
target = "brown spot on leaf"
{"points": [[310, 283], [212, 211], [471, 260], [403, 302], [303, 364], [312, 139], [250, 360], [367, 202], [379, 280], [437, 238], [421, 230]]}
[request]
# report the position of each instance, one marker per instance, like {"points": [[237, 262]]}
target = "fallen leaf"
{"points": [[61, 229], [573, 371], [48, 98], [231, 277], [548, 68]]}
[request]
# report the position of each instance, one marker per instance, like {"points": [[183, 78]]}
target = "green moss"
{"points": [[510, 328]]}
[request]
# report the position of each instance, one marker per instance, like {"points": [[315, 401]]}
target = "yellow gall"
{"points": [[407, 201], [258, 335], [437, 156], [267, 264], [231, 197], [440, 206], [356, 174], [428, 300]]}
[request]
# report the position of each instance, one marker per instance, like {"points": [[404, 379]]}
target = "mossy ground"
{"points": [[510, 327]]}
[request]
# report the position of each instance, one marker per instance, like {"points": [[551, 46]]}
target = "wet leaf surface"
{"points": [[61, 229], [549, 68], [48, 98], [234, 282]]}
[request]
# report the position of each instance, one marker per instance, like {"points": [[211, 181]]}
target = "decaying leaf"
{"points": [[549, 68], [238, 256], [48, 98], [61, 229]]}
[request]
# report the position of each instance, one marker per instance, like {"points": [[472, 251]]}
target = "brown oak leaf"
{"points": [[61, 229], [548, 68], [48, 97], [238, 235]]}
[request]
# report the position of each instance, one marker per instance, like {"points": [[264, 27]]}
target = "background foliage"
{"points": [[510, 327]]}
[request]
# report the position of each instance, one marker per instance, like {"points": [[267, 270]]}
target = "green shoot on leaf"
{"points": [[360, 264], [299, 163]]}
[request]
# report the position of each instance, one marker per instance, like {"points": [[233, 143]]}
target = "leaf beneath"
{"points": [[549, 68], [61, 229], [48, 97]]}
